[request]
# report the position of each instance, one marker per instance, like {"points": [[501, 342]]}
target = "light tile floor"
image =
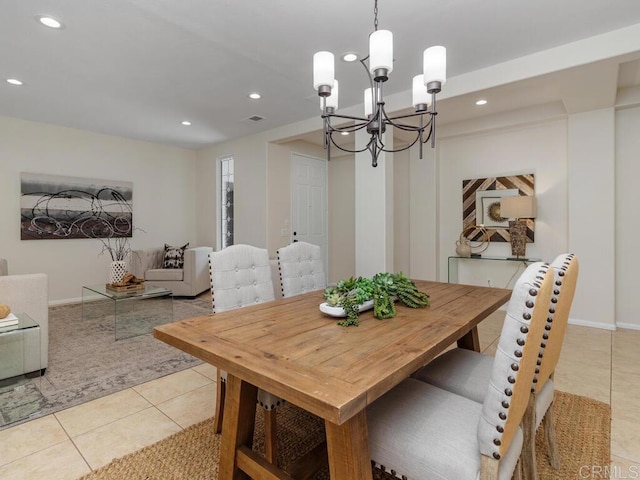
{"points": [[596, 363]]}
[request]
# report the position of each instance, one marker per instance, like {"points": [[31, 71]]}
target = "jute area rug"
{"points": [[582, 430]]}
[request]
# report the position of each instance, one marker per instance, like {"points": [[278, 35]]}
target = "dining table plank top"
{"points": [[288, 347]]}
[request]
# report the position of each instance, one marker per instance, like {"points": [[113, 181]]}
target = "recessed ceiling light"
{"points": [[186, 123], [482, 101], [350, 57], [254, 96], [49, 21], [14, 81]]}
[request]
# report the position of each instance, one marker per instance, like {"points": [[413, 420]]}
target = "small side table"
{"points": [[20, 395]]}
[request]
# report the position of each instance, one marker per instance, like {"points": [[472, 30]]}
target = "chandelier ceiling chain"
{"points": [[378, 65], [375, 16]]}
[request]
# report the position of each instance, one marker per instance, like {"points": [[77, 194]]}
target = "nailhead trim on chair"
{"points": [[529, 303], [552, 310], [384, 469]]}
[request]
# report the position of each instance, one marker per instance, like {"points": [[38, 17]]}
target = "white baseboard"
{"points": [[65, 301], [589, 323], [628, 326]]}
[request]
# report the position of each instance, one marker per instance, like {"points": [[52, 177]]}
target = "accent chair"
{"points": [[301, 268], [240, 277], [418, 430], [467, 373]]}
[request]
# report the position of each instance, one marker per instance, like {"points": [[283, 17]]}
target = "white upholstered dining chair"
{"points": [[467, 373], [241, 276], [419, 431], [301, 268]]}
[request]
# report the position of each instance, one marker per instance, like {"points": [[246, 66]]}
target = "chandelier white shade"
{"points": [[435, 65], [380, 51], [323, 70], [424, 88], [419, 93], [332, 100]]}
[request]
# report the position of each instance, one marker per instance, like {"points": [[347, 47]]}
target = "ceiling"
{"points": [[137, 68]]}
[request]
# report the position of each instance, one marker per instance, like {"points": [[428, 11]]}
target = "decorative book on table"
{"points": [[8, 321]]}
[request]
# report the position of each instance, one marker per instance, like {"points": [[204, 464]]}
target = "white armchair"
{"points": [[30, 294], [189, 281]]}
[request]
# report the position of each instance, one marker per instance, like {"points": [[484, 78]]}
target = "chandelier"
{"points": [[375, 120]]}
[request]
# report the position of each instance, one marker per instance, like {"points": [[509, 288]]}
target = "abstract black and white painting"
{"points": [[59, 207]]}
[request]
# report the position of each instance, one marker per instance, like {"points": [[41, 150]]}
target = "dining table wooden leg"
{"points": [[237, 427], [471, 340], [348, 449]]}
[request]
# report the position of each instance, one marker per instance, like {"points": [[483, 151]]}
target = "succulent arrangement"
{"points": [[382, 288]]}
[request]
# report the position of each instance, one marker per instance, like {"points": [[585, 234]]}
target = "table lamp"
{"points": [[518, 207]]}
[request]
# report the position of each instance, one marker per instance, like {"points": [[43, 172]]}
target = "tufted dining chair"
{"points": [[241, 276], [419, 431], [301, 268], [467, 373]]}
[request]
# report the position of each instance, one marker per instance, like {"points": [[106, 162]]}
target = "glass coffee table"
{"points": [[134, 312]]}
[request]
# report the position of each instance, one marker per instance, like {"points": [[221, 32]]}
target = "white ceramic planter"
{"points": [[117, 270]]}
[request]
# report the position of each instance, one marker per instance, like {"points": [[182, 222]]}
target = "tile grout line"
{"points": [[86, 462]]}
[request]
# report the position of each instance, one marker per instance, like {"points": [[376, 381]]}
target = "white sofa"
{"points": [[29, 294], [189, 281]]}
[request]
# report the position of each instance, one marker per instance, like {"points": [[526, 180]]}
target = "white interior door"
{"points": [[309, 221]]}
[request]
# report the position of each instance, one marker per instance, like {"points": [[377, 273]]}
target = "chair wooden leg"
{"points": [[221, 388], [270, 441], [528, 455], [488, 468], [550, 437]]}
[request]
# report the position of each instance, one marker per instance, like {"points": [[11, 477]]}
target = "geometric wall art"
{"points": [[481, 205], [61, 207]]}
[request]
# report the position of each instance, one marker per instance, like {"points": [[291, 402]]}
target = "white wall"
{"points": [[249, 190], [163, 197], [401, 212], [591, 187], [540, 149], [342, 218], [627, 226]]}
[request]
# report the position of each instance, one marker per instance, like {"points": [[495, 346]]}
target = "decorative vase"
{"points": [[463, 247], [117, 270]]}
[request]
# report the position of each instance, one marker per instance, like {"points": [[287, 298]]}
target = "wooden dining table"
{"points": [[288, 347]]}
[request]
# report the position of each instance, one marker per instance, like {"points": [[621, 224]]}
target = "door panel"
{"points": [[309, 202]]}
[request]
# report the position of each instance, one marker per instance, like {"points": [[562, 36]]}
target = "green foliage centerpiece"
{"points": [[382, 288]]}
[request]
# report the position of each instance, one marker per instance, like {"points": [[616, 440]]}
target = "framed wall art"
{"points": [[61, 207], [481, 205]]}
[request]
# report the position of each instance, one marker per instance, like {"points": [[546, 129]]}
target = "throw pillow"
{"points": [[174, 256]]}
